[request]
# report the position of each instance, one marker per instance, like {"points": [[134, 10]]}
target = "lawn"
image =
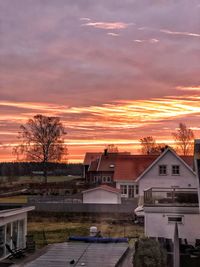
{"points": [[30, 179], [15, 199], [47, 231], [50, 179]]}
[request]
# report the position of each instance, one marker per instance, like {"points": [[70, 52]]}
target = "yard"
{"points": [[37, 178], [14, 199], [53, 230]]}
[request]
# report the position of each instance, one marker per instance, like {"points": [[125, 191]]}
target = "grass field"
{"points": [[15, 199], [29, 179], [47, 231]]}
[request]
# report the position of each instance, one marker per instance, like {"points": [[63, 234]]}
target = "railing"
{"points": [[171, 196]]}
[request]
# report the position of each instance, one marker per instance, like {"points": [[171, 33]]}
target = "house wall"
{"points": [[101, 197], [128, 184], [186, 179], [100, 177], [157, 225]]}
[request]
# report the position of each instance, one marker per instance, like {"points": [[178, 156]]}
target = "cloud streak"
{"points": [[108, 25], [121, 122], [189, 34], [188, 88]]}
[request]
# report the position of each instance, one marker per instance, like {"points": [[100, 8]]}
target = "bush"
{"points": [[149, 253]]}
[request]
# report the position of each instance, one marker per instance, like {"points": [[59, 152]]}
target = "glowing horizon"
{"points": [[112, 72]]}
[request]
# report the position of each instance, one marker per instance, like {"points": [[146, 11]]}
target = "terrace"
{"points": [[168, 197]]}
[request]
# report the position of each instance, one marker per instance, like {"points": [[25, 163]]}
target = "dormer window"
{"points": [[175, 170], [162, 169]]}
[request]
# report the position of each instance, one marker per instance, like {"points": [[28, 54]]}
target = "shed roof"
{"points": [[103, 187]]}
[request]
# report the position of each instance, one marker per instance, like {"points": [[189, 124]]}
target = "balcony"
{"points": [[174, 197]]}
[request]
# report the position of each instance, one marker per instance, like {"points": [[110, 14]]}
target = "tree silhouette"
{"points": [[184, 139], [42, 140], [149, 146], [111, 148]]}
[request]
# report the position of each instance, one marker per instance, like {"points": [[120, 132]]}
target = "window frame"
{"points": [[172, 170], [175, 219], [124, 189], [161, 173]]}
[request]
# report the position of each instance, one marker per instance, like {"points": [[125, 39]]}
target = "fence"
{"points": [[72, 205]]}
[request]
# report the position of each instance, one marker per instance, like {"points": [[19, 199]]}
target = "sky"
{"points": [[113, 71]]}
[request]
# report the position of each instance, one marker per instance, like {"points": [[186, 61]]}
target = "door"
{"points": [[131, 191]]}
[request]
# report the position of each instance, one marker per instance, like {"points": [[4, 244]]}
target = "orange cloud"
{"points": [[120, 122], [188, 88]]}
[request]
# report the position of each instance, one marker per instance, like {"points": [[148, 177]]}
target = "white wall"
{"points": [[156, 225], [100, 196], [186, 179]]}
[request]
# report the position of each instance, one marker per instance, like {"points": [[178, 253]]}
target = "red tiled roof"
{"points": [[107, 162], [104, 187], [189, 160], [90, 156], [124, 166], [93, 165], [129, 168]]}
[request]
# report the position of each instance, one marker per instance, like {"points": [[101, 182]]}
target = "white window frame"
{"points": [[174, 169], [106, 179], [124, 189], [175, 217], [161, 173]]}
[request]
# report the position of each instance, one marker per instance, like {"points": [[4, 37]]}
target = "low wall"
{"points": [[74, 206], [83, 208]]}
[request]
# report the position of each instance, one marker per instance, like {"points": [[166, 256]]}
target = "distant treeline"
{"points": [[36, 168]]}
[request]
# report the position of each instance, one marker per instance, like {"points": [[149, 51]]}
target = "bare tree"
{"points": [[111, 148], [184, 139], [42, 140], [149, 146], [148, 143]]}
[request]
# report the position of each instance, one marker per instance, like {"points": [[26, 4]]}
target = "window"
{"points": [[174, 219], [175, 170], [123, 189], [131, 191], [136, 189], [162, 169], [106, 179], [95, 179]]}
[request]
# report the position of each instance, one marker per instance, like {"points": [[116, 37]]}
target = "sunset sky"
{"points": [[113, 71]]}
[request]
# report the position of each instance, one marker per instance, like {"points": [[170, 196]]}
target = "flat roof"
{"points": [[83, 254], [11, 212]]}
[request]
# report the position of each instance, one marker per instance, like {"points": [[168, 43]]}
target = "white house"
{"points": [[102, 194], [127, 169], [175, 202], [168, 170], [13, 229], [163, 207]]}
